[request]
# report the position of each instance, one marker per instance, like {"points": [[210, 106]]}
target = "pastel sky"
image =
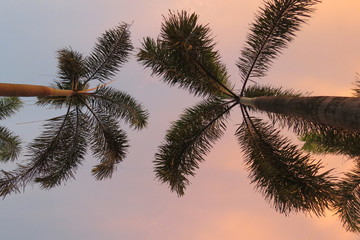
{"points": [[220, 203]]}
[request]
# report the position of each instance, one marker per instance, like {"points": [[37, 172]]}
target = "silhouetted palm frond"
{"points": [[188, 140], [289, 179], [120, 105], [61, 148], [347, 205], [184, 55], [274, 27], [110, 53], [54, 155], [108, 142]]}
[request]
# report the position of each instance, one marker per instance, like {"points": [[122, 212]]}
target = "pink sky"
{"points": [[220, 203]]}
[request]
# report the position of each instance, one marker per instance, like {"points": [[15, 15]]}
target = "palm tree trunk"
{"points": [[342, 112], [27, 90]]}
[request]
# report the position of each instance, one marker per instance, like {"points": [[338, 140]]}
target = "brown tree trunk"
{"points": [[27, 90], [342, 112]]}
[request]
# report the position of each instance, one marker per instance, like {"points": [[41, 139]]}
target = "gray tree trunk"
{"points": [[342, 112]]}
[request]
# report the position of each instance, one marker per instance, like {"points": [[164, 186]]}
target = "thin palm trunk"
{"points": [[342, 112], [27, 90]]}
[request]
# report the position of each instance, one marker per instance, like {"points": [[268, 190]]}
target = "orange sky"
{"points": [[220, 203]]}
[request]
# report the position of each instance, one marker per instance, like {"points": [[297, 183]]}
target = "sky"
{"points": [[220, 203]]}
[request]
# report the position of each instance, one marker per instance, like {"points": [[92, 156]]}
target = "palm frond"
{"points": [[184, 55], [56, 102], [65, 154], [71, 66], [120, 105], [287, 178], [8, 106], [9, 145], [108, 142], [275, 26], [347, 205], [334, 141], [188, 140], [51, 148], [109, 54]]}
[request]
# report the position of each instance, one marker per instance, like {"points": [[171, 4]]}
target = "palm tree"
{"points": [[184, 55], [9, 143], [91, 118]]}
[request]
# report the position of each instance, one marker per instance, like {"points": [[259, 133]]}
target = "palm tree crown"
{"points": [[184, 55], [91, 118]]}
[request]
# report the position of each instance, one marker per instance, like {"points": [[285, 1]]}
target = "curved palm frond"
{"points": [[120, 105], [109, 54], [184, 55], [347, 204], [188, 140], [274, 27], [48, 153], [108, 142], [65, 154], [288, 179]]}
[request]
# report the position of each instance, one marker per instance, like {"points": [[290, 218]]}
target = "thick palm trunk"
{"points": [[342, 112], [27, 90]]}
